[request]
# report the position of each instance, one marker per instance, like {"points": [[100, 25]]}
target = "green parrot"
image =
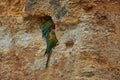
{"points": [[48, 31], [51, 44]]}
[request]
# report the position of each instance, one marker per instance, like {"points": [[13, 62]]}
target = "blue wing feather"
{"points": [[45, 30]]}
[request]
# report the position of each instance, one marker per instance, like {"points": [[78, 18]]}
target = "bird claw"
{"points": [[57, 43], [45, 54]]}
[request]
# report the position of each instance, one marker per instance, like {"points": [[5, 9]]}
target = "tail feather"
{"points": [[48, 59]]}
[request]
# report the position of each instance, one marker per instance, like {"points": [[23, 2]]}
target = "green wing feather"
{"points": [[51, 43], [46, 26]]}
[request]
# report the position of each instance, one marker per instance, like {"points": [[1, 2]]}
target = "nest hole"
{"points": [[69, 44]]}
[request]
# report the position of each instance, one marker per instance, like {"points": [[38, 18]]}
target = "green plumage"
{"points": [[46, 24], [51, 44], [46, 29]]}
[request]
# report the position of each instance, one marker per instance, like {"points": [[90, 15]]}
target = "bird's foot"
{"points": [[45, 54], [57, 43]]}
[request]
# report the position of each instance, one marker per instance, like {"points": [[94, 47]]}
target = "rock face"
{"points": [[89, 40]]}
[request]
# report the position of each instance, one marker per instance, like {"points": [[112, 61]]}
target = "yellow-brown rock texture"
{"points": [[89, 40]]}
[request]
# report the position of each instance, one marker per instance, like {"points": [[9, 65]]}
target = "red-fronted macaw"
{"points": [[48, 31]]}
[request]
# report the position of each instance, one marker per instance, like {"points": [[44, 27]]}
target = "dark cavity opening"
{"points": [[45, 18], [69, 44]]}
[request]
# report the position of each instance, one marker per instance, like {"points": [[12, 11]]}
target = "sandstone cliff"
{"points": [[89, 40]]}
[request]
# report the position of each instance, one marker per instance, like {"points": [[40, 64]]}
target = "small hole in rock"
{"points": [[88, 8], [69, 44]]}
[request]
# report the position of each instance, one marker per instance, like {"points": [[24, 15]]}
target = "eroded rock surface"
{"points": [[89, 40]]}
